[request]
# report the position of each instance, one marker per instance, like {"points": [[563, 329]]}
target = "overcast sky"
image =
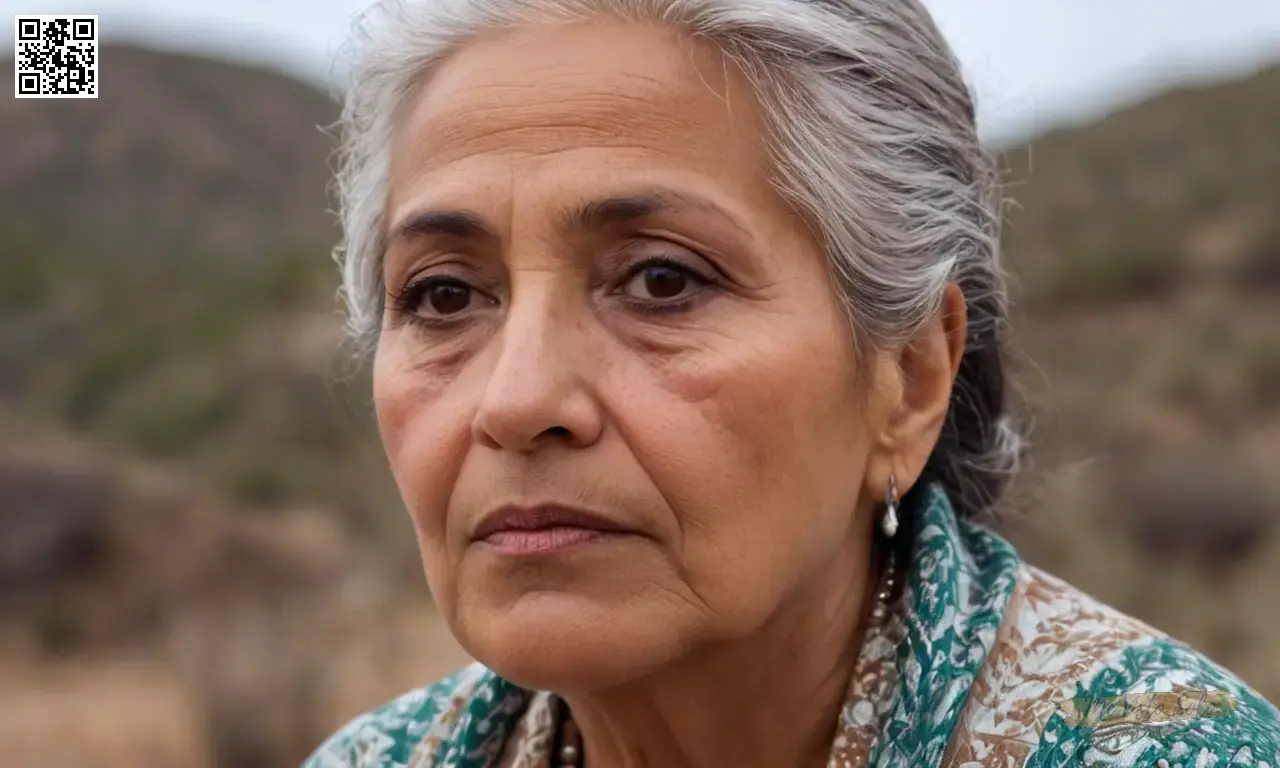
{"points": [[1033, 63]]}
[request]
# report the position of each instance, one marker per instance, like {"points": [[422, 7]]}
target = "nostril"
{"points": [[561, 432]]}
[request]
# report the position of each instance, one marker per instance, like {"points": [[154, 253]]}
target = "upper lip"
{"points": [[541, 516]]}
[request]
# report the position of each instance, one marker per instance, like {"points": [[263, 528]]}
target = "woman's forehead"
{"points": [[640, 90]]}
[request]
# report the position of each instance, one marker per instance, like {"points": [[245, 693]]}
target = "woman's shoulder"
{"points": [[422, 721], [1103, 688], [1160, 700]]}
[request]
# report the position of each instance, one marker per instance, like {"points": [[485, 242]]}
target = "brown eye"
{"points": [[447, 298], [661, 282], [665, 282], [438, 298]]}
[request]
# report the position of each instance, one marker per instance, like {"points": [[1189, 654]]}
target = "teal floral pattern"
{"points": [[970, 668]]}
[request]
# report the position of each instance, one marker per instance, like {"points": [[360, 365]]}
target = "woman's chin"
{"points": [[565, 643]]}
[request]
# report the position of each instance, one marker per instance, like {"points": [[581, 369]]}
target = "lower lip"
{"points": [[544, 541]]}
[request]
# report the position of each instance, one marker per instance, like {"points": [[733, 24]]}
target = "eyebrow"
{"points": [[591, 216], [461, 224], [623, 209]]}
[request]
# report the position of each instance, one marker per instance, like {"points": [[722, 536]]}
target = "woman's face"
{"points": [[597, 301]]}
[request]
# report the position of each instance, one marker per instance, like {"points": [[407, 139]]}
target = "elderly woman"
{"points": [[687, 320]]}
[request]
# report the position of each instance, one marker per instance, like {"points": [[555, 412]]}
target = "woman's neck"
{"points": [[772, 700]]}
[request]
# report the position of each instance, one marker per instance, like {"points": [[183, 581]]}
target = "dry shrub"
{"points": [[256, 653], [257, 680], [1199, 505], [53, 522], [1260, 263], [1262, 371]]}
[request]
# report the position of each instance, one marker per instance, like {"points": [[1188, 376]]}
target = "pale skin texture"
{"points": [[737, 432]]}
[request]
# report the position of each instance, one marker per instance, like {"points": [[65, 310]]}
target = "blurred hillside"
{"points": [[181, 155], [165, 284], [191, 490], [1146, 252]]}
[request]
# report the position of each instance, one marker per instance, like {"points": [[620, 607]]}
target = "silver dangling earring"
{"points": [[889, 521]]}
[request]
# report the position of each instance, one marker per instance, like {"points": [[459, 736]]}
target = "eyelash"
{"points": [[407, 301]]}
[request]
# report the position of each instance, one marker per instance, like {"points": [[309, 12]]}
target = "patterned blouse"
{"points": [[982, 661]]}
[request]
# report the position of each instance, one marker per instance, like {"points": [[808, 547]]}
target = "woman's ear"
{"points": [[926, 372]]}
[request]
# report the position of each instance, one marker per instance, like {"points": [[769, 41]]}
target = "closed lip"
{"points": [[545, 516]]}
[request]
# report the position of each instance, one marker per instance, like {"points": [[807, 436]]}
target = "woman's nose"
{"points": [[538, 390]]}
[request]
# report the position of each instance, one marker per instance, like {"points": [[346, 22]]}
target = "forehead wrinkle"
{"points": [[576, 119]]}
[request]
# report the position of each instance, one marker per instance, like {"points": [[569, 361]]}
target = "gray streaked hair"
{"points": [[873, 136]]}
